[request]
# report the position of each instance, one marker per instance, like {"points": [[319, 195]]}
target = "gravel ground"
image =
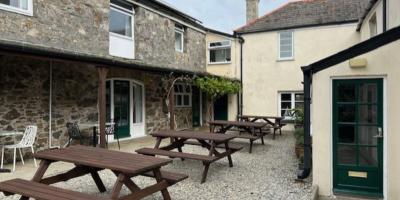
{"points": [[268, 173]]}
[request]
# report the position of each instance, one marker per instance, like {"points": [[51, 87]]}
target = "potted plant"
{"points": [[298, 115], [299, 147]]}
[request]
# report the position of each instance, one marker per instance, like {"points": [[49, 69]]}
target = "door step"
{"points": [[343, 197]]}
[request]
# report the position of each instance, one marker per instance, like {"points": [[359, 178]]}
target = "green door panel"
{"points": [[221, 108], [122, 107], [357, 151]]}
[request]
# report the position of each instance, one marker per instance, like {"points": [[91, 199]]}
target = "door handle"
{"points": [[380, 133]]}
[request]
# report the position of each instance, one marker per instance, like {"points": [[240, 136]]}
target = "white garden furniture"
{"points": [[27, 141]]}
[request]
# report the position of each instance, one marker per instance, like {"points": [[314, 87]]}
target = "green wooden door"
{"points": [[196, 111], [358, 136], [122, 108], [221, 108]]}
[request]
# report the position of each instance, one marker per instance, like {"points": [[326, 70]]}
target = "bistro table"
{"points": [[4, 134], [91, 160], [254, 129], [276, 124], [206, 140]]}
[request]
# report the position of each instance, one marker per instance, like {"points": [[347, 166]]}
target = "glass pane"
{"points": [[347, 155], [24, 4], [179, 97], [299, 97], [286, 54], [346, 113], [347, 134], [120, 23], [368, 156], [286, 97], [138, 103], [286, 105], [285, 35], [178, 41], [286, 48], [346, 92], [368, 93], [285, 113], [188, 89], [299, 105], [186, 100], [366, 135], [368, 114]]}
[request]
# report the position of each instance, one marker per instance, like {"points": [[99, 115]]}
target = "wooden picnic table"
{"points": [[276, 123], [254, 129], [178, 139], [90, 160]]}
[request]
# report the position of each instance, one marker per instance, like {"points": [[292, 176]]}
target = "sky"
{"points": [[222, 15]]}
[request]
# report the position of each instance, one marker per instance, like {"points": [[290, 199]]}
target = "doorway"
{"points": [[358, 136]]}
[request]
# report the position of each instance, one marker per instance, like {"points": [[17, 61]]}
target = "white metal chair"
{"points": [[27, 141]]}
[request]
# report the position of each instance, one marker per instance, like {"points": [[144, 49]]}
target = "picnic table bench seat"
{"points": [[42, 191], [232, 146], [173, 154]]}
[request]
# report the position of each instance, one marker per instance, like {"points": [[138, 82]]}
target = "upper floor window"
{"points": [[183, 95], [179, 37], [373, 28], [18, 6], [286, 45], [220, 52], [121, 30]]}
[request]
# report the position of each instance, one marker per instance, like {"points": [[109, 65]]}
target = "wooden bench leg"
{"points": [[164, 192], [117, 187], [229, 155], [43, 166], [205, 171], [98, 181], [251, 146], [262, 137], [128, 183], [274, 134]]}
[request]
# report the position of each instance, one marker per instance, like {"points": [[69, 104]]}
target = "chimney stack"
{"points": [[252, 9]]}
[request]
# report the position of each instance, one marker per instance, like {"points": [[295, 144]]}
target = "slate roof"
{"points": [[307, 13]]}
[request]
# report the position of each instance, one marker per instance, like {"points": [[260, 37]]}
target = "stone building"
{"points": [[53, 53]]}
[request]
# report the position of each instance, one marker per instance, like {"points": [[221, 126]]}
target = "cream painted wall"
{"points": [[381, 63], [365, 29], [264, 76], [230, 70], [393, 13]]}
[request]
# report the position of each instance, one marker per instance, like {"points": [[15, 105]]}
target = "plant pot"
{"points": [[299, 150]]}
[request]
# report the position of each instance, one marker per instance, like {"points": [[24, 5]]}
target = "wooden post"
{"points": [[102, 71], [171, 108]]}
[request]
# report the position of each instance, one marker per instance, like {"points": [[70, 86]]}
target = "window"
{"points": [[373, 28], [18, 6], [121, 31], [183, 95], [179, 31], [290, 101], [220, 52], [286, 45]]}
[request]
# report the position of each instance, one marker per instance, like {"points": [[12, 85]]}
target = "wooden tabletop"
{"points": [[194, 135], [129, 163], [238, 123], [259, 116]]}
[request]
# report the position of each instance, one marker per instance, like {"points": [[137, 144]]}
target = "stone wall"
{"points": [[75, 25], [155, 43]]}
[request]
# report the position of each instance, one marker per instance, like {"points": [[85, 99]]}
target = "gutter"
{"points": [[384, 5], [240, 97]]}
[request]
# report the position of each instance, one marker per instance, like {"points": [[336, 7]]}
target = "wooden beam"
{"points": [[171, 107], [102, 72]]}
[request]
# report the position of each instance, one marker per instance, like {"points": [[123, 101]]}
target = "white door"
{"points": [[138, 118]]}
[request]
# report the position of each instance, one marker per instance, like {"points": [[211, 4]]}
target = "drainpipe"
{"points": [[240, 98], [384, 5], [50, 105], [307, 125]]}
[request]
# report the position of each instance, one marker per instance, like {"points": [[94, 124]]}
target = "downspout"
{"points": [[241, 41], [51, 106], [307, 125], [384, 5]]}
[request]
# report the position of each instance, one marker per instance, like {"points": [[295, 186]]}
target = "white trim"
{"points": [[181, 32], [385, 127], [28, 12], [222, 47], [167, 16], [190, 94], [292, 100], [279, 46], [127, 12], [219, 63]]}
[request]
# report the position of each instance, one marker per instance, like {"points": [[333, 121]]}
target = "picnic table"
{"points": [[90, 160], [276, 123], [254, 129], [207, 140]]}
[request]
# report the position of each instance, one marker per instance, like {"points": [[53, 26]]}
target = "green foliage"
{"points": [[299, 134], [298, 115], [217, 87]]}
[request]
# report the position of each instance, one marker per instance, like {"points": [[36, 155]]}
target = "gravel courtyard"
{"points": [[268, 173]]}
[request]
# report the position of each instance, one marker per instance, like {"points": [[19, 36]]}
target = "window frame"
{"points": [[123, 10], [28, 11], [373, 31], [222, 47], [292, 102], [179, 29], [182, 95], [279, 46]]}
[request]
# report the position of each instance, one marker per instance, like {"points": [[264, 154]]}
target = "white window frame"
{"points": [[182, 94], [180, 31], [122, 10], [279, 46], [229, 46], [292, 102], [28, 11]]}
